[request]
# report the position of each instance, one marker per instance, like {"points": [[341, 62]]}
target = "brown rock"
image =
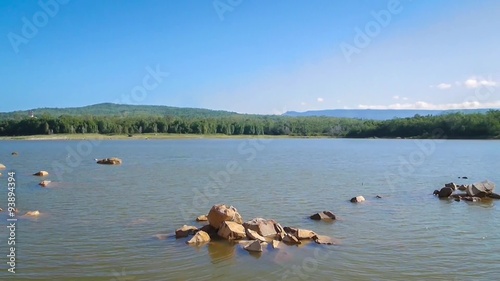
{"points": [[202, 218], [2, 167], [41, 173], [221, 213], [322, 239], [462, 187], [325, 215], [300, 233], [44, 183], [253, 235], [185, 230], [200, 237], [231, 230], [210, 230], [32, 213], [291, 239], [110, 161], [445, 192], [262, 226], [279, 229], [276, 244], [357, 199], [255, 246]]}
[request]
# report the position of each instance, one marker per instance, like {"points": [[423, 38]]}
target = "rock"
{"points": [[221, 213], [14, 153], [200, 237], [357, 199], [0, 174], [276, 244], [378, 197], [299, 233], [494, 196], [253, 235], [41, 173], [210, 230], [445, 192], [471, 198], [1, 209], [465, 178], [110, 161], [231, 230], [262, 226], [462, 187], [451, 185], [436, 192], [480, 189], [325, 215], [202, 218], [44, 183], [322, 239], [185, 230], [32, 213], [290, 239], [2, 167], [279, 229], [255, 246]]}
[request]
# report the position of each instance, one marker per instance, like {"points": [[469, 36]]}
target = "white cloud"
{"points": [[320, 100], [475, 83], [426, 105], [443, 86], [395, 97]]}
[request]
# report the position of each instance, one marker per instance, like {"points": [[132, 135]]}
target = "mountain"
{"points": [[378, 114], [110, 109]]}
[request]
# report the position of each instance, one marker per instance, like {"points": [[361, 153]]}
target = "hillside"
{"points": [[114, 110], [378, 114]]}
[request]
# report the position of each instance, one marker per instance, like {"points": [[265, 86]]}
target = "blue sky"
{"points": [[257, 56]]}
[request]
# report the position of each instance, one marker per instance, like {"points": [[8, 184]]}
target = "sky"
{"points": [[262, 57]]}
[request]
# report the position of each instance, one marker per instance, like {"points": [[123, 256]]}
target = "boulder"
{"points": [[221, 213], [357, 199], [262, 226], [451, 185], [494, 196], [41, 173], [200, 237], [255, 246], [210, 230], [185, 230], [202, 218], [2, 167], [462, 187], [299, 233], [445, 192], [44, 183], [325, 215], [110, 161], [276, 244], [231, 230], [290, 239], [279, 229], [480, 189], [253, 235], [322, 239]]}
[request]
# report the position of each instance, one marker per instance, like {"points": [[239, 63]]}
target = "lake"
{"points": [[102, 222]]}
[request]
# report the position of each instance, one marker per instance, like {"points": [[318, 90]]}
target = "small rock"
{"points": [[200, 237], [14, 153], [325, 215], [378, 197], [255, 246], [185, 230], [231, 230], [44, 183], [357, 199], [462, 187], [1, 209], [202, 218], [451, 185], [41, 173], [279, 229], [32, 213], [110, 161], [2, 167], [471, 198], [276, 244], [254, 235], [299, 233], [322, 239], [494, 196], [464, 178]]}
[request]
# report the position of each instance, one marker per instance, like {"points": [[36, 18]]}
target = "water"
{"points": [[111, 222]]}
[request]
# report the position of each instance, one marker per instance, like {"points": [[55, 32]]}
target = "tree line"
{"points": [[456, 125]]}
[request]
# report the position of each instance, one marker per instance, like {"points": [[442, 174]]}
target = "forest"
{"points": [[453, 126]]}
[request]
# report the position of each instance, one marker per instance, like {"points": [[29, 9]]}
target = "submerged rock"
{"points": [[41, 173], [109, 161], [357, 199], [325, 215], [200, 237], [322, 239], [451, 185], [44, 183], [185, 230], [291, 239], [255, 246], [221, 213], [32, 213]]}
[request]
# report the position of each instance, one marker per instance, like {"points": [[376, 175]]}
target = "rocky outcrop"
{"points": [[255, 246], [325, 215], [263, 227], [41, 174], [480, 189], [357, 199], [110, 161], [44, 183], [185, 231], [231, 230], [221, 213], [473, 192], [199, 238]]}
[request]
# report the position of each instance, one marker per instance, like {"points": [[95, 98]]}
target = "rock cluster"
{"points": [[109, 161], [225, 222], [473, 192]]}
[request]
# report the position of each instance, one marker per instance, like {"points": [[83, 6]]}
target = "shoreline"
{"points": [[163, 136]]}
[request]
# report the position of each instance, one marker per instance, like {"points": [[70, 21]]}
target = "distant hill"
{"points": [[378, 114], [110, 109]]}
